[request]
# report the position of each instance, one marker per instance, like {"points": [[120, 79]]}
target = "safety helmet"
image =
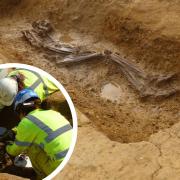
{"points": [[8, 91], [23, 96]]}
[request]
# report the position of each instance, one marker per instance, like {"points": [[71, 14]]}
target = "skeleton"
{"points": [[145, 84]]}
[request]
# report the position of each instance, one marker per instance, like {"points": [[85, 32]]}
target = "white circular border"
{"points": [[70, 103]]}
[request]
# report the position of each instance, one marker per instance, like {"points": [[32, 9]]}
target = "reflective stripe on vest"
{"points": [[58, 156], [37, 82], [26, 144], [51, 134], [58, 132], [21, 143], [39, 123], [61, 154]]}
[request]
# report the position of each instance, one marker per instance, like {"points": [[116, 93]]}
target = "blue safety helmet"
{"points": [[23, 96]]}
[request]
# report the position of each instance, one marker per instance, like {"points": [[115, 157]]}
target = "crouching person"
{"points": [[44, 135], [20, 79]]}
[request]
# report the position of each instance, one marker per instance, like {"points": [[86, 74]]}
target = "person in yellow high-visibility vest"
{"points": [[19, 79], [44, 135]]}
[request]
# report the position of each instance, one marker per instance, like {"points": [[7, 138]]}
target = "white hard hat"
{"points": [[8, 90]]}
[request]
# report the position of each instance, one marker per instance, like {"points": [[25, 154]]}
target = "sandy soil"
{"points": [[100, 158], [147, 33], [8, 177]]}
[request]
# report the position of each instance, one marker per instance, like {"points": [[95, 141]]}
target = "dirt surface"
{"points": [[100, 158], [146, 33], [8, 177]]}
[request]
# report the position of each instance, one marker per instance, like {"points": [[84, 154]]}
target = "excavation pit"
{"points": [[133, 29]]}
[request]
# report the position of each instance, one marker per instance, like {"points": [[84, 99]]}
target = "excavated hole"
{"points": [[101, 92], [98, 88], [114, 107]]}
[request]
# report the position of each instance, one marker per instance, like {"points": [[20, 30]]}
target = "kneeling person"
{"points": [[44, 135]]}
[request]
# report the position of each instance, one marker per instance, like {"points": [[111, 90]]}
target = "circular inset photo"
{"points": [[38, 123]]}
